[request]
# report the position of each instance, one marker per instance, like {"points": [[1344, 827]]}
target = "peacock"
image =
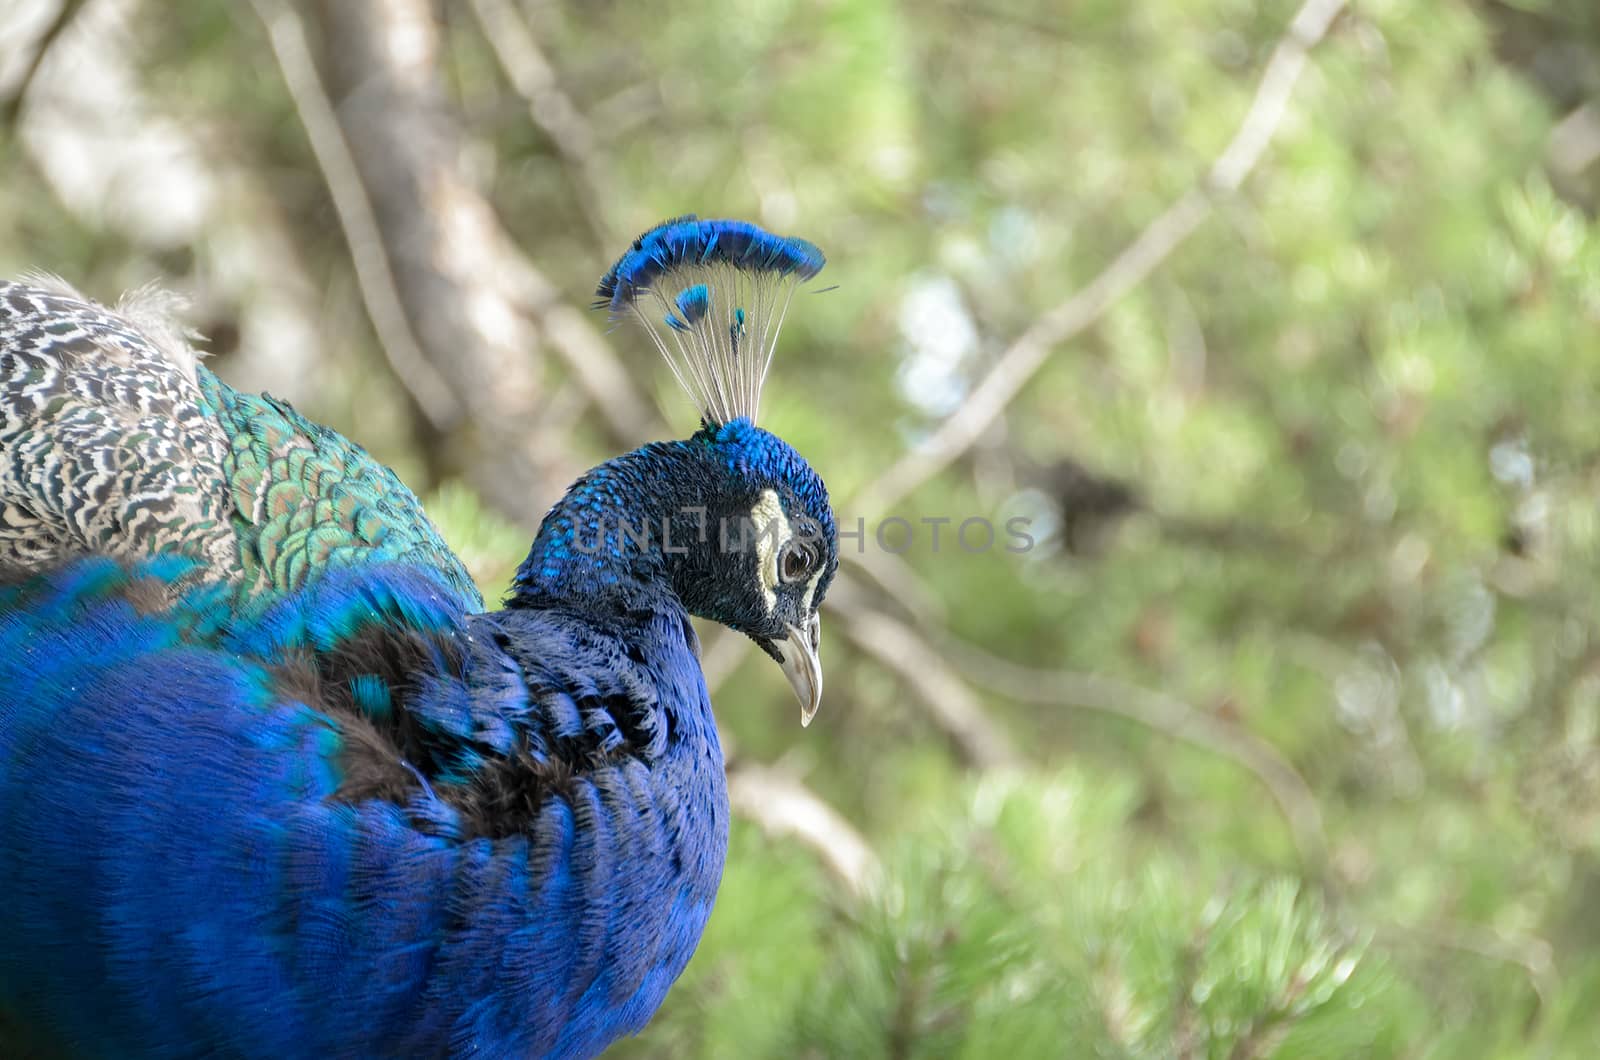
{"points": [[274, 783]]}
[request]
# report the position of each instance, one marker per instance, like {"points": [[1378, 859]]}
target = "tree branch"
{"points": [[1029, 352], [524, 64], [951, 705], [1156, 710], [782, 806], [426, 385], [19, 95], [1534, 956], [631, 418]]}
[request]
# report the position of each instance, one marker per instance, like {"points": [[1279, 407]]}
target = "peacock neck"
{"points": [[616, 542]]}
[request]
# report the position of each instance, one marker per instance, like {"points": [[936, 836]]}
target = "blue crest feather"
{"points": [[721, 288], [693, 302]]}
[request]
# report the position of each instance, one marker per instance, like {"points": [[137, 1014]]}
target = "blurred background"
{"points": [[1275, 323]]}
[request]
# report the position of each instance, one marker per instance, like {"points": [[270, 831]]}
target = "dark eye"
{"points": [[795, 562]]}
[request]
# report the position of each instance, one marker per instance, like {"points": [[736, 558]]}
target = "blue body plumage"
{"points": [[273, 784], [222, 875]]}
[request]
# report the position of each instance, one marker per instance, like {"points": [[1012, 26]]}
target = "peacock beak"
{"points": [[797, 657]]}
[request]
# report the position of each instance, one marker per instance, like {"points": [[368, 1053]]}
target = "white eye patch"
{"points": [[772, 532], [811, 590]]}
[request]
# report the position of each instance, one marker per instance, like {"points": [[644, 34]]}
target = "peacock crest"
{"points": [[712, 296]]}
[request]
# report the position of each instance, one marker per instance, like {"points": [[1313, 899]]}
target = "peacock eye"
{"points": [[795, 562]]}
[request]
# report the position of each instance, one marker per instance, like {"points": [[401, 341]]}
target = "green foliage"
{"points": [[489, 546], [1013, 918], [1357, 410]]}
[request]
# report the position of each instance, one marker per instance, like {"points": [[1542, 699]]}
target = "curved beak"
{"points": [[797, 657]]}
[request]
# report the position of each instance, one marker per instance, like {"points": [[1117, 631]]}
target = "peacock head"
{"points": [[712, 296]]}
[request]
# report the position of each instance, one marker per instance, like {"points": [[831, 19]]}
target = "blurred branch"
{"points": [[1574, 143], [627, 109], [903, 584], [721, 653], [1155, 710], [1029, 352], [783, 806], [524, 64], [1533, 955], [1047, 27], [630, 417], [939, 672], [18, 96], [478, 310], [427, 387], [950, 704]]}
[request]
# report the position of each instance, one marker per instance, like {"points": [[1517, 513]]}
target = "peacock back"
{"points": [[117, 441]]}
